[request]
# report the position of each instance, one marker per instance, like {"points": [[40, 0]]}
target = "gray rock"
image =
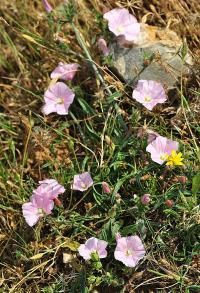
{"points": [[156, 56]]}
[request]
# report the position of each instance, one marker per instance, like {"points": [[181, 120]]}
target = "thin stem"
{"points": [[87, 53], [82, 198]]}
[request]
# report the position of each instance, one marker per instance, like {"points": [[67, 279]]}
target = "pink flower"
{"points": [[50, 188], [47, 6], [103, 46], [106, 188], [121, 22], [149, 93], [160, 148], [93, 245], [65, 71], [145, 199], [41, 201], [58, 98], [37, 208], [129, 250], [82, 181]]}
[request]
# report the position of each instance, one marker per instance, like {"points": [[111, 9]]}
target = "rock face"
{"points": [[156, 56]]}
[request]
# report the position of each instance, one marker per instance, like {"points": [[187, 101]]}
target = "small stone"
{"points": [[156, 56]]}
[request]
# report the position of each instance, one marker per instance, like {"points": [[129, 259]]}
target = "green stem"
{"points": [[87, 53]]}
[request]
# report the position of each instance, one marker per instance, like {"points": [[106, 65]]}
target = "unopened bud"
{"points": [[182, 179], [57, 202], [106, 188], [145, 199], [169, 203], [47, 6]]}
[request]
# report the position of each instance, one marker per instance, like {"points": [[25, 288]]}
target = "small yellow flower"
{"points": [[175, 159]]}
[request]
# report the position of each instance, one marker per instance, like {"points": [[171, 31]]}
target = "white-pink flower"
{"points": [[65, 71], [57, 99], [122, 23], [160, 148], [103, 46], [93, 245], [129, 250], [149, 93], [50, 188], [37, 208], [42, 201], [82, 181]]}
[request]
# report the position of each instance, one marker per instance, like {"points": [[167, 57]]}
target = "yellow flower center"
{"points": [[175, 159], [40, 212], [163, 156], [60, 101], [83, 185], [129, 252], [120, 29], [147, 99]]}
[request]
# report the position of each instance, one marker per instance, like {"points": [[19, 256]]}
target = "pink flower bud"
{"points": [[106, 188], [145, 199], [103, 46], [169, 203], [47, 6], [182, 179], [57, 202]]}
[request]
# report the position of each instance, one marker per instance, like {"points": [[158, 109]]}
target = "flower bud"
{"points": [[145, 199], [57, 202], [182, 179], [47, 6], [103, 46], [169, 203], [106, 188]]}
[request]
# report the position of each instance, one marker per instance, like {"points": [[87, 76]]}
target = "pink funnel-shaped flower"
{"points": [[103, 46], [149, 93], [50, 188], [47, 6], [57, 99], [37, 207], [42, 200], [121, 22], [160, 148], [129, 250], [82, 181], [65, 71], [93, 245]]}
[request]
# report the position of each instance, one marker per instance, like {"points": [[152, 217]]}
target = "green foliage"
{"points": [[196, 184]]}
